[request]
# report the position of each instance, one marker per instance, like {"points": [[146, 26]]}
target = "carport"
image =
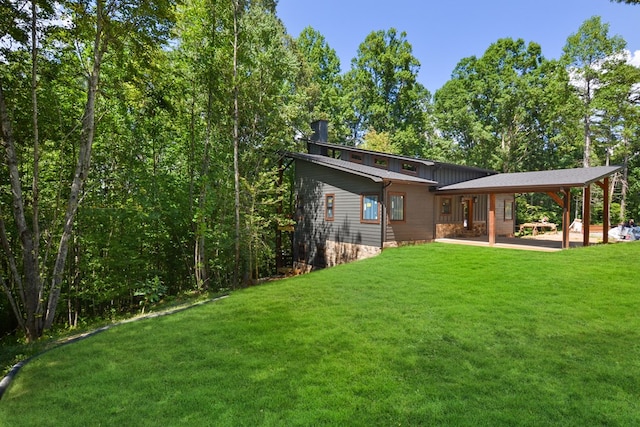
{"points": [[556, 183]]}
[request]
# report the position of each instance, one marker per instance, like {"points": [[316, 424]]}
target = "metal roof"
{"points": [[360, 150], [530, 182], [373, 173], [398, 156]]}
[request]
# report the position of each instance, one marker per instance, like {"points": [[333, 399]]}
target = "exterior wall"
{"points": [[446, 174], [341, 252], [453, 224], [319, 242], [418, 215]]}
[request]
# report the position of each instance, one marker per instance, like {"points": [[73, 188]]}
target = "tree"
{"points": [[383, 89], [616, 122], [496, 107], [587, 54], [322, 87], [97, 30]]}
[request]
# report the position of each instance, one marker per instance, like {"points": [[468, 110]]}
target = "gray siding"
{"points": [[313, 183], [418, 223], [446, 174], [480, 209]]}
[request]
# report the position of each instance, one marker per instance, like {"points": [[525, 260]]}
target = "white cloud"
{"points": [[634, 58]]}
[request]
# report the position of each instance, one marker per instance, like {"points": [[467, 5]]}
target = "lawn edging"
{"points": [[6, 381]]}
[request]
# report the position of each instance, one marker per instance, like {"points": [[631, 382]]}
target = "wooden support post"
{"points": [[605, 209], [492, 219], [565, 218], [586, 215]]}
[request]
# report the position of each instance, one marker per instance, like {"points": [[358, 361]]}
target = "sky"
{"points": [[443, 32]]}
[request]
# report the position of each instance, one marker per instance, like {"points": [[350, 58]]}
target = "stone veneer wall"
{"points": [[457, 230], [341, 252]]}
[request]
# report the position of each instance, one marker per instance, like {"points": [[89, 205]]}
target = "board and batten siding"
{"points": [[418, 223], [313, 232]]}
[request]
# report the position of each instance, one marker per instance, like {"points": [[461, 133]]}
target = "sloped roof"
{"points": [[373, 173], [530, 182], [400, 157], [360, 150]]}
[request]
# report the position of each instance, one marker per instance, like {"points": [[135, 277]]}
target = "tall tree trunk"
{"points": [[36, 150], [31, 279], [236, 120], [624, 179], [82, 166]]}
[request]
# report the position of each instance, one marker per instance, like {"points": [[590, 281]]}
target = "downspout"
{"points": [[383, 223]]}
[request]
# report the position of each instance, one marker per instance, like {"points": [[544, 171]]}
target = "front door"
{"points": [[468, 213]]}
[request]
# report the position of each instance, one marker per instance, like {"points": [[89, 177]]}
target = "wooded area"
{"points": [[143, 138]]}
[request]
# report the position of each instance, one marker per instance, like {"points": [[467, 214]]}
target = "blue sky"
{"points": [[443, 32]]}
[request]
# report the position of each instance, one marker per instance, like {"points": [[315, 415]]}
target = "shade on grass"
{"points": [[434, 334]]}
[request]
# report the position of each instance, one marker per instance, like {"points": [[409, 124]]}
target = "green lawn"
{"points": [[436, 334]]}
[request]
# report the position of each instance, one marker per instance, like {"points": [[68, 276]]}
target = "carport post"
{"points": [[565, 218], [605, 211], [492, 219], [586, 215]]}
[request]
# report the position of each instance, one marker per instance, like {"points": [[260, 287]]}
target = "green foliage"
{"points": [[386, 96], [321, 84], [161, 181], [492, 108], [150, 291], [535, 207]]}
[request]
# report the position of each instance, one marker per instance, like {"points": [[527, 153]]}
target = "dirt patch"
{"points": [[573, 237]]}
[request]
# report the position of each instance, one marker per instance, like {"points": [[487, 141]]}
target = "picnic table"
{"points": [[539, 226]]}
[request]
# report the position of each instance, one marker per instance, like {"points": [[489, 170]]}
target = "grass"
{"points": [[435, 334]]}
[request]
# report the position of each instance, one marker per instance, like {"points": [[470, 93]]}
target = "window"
{"points": [[380, 162], [508, 210], [355, 157], [396, 201], [369, 208], [409, 168], [336, 154], [329, 200], [446, 206]]}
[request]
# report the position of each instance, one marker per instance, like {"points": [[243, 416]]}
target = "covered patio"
{"points": [[555, 183]]}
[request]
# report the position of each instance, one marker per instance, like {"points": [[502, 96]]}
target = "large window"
{"points": [[329, 205], [370, 208], [396, 202]]}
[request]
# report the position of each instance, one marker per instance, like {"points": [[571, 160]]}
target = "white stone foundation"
{"points": [[341, 252]]}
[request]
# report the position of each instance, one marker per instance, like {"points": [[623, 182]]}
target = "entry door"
{"points": [[468, 214]]}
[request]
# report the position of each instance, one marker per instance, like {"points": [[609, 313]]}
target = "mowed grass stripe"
{"points": [[434, 334]]}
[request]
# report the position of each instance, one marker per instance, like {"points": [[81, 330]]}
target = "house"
{"points": [[352, 203]]}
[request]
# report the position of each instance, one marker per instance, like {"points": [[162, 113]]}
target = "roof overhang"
{"points": [[531, 182], [370, 172]]}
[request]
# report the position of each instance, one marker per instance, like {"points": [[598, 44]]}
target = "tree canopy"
{"points": [[143, 139]]}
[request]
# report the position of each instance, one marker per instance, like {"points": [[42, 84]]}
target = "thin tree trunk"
{"points": [[586, 161], [624, 180], [236, 119], [36, 152], [82, 166], [14, 273], [30, 274]]}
